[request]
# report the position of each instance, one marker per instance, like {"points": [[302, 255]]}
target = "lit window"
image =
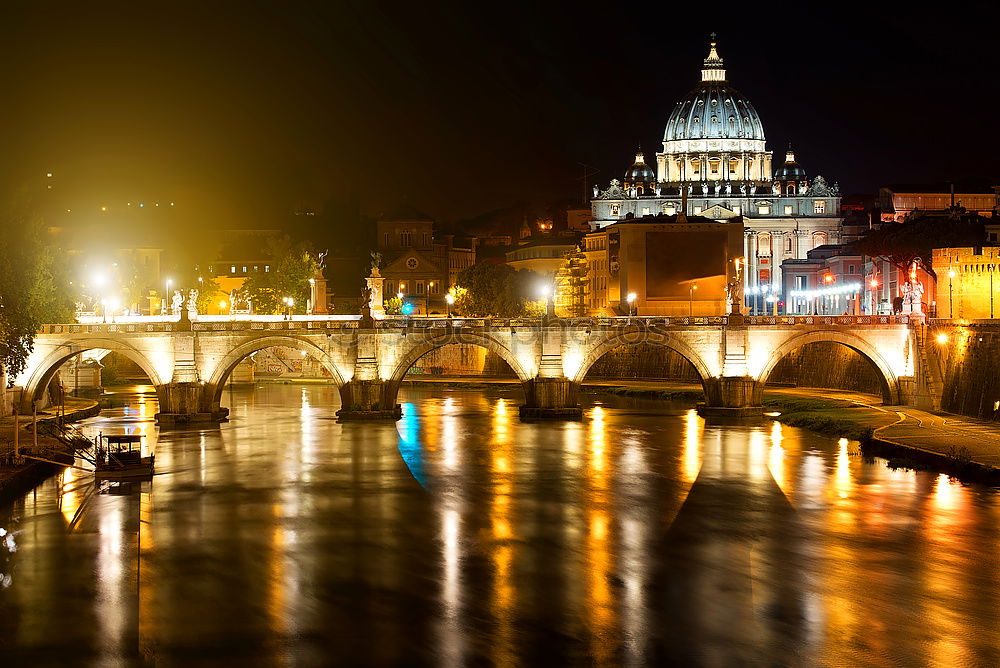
{"points": [[256, 268], [788, 209], [697, 210], [764, 209], [244, 269], [616, 209], [267, 268], [232, 269], [670, 209], [645, 210], [819, 206], [404, 238], [738, 210]]}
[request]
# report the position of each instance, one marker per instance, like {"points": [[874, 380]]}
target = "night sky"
{"points": [[245, 111]]}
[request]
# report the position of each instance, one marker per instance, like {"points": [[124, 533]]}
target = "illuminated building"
{"points": [[968, 284], [673, 265], [416, 264], [896, 202], [715, 164]]}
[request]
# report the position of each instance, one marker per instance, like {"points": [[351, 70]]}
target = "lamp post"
{"points": [[951, 293], [449, 299], [630, 298], [874, 286], [691, 289], [827, 280], [166, 296]]}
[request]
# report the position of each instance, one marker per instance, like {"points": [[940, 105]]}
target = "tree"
{"points": [[917, 236], [34, 287], [496, 290], [292, 265]]}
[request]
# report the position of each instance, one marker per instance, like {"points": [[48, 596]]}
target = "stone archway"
{"points": [[888, 379], [42, 373], [426, 345], [227, 364], [637, 338]]}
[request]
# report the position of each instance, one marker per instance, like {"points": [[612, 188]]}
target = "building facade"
{"points": [[715, 164]]}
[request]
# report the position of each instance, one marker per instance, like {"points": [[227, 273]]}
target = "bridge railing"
{"points": [[421, 323], [828, 319]]}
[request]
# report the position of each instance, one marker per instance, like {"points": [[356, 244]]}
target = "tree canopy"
{"points": [[497, 290], [34, 286], [292, 265], [916, 237]]}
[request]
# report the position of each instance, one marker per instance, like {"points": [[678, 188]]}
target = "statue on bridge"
{"points": [[177, 302], [192, 304], [913, 292]]}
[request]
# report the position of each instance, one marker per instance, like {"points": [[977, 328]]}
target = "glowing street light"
{"points": [[691, 289], [449, 299], [630, 298], [942, 338]]}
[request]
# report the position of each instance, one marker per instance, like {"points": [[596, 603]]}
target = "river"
{"points": [[461, 535]]}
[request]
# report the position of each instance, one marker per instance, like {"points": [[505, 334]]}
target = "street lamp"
{"points": [[874, 286], [691, 289], [630, 298], [166, 296], [951, 294], [449, 299], [828, 279]]}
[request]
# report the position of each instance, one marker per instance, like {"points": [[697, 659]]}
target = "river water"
{"points": [[462, 536]]}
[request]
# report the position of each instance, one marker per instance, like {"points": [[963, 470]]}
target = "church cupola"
{"points": [[790, 178], [640, 176], [713, 69]]}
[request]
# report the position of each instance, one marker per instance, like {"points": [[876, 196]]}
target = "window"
{"points": [[616, 209], [850, 269], [256, 267], [738, 210], [697, 210], [404, 238], [385, 240], [670, 209], [801, 282], [763, 244], [788, 209], [267, 268], [714, 166], [420, 287], [645, 210], [232, 269], [244, 269], [819, 206], [764, 209], [788, 244]]}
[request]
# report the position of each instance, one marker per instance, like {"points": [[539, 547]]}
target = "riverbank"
{"points": [[17, 480]]}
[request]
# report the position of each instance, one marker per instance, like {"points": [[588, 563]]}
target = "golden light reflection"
{"points": [[599, 564], [503, 600], [842, 483], [694, 429], [71, 497], [776, 457]]}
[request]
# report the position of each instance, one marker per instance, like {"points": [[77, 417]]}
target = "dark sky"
{"points": [[246, 110]]}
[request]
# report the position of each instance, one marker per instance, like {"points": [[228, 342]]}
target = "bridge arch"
{"points": [[427, 344], [605, 346], [887, 378], [228, 363], [42, 373]]}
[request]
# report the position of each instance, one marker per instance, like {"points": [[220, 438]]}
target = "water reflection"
{"points": [[461, 536]]}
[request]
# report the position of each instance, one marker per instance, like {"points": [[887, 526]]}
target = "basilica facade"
{"points": [[715, 164]]}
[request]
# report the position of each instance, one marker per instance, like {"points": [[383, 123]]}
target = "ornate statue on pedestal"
{"points": [[913, 291], [177, 302], [192, 304]]}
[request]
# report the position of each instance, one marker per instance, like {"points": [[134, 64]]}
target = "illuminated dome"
{"points": [[714, 134], [640, 171], [791, 170], [713, 110]]}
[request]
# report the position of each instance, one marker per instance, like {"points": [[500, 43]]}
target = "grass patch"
{"points": [[652, 393], [825, 423]]}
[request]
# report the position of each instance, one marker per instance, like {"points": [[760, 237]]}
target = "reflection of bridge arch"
{"points": [[44, 370], [247, 348], [887, 378], [637, 338], [436, 341]]}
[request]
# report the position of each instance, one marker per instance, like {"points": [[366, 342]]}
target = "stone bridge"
{"points": [[189, 362]]}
